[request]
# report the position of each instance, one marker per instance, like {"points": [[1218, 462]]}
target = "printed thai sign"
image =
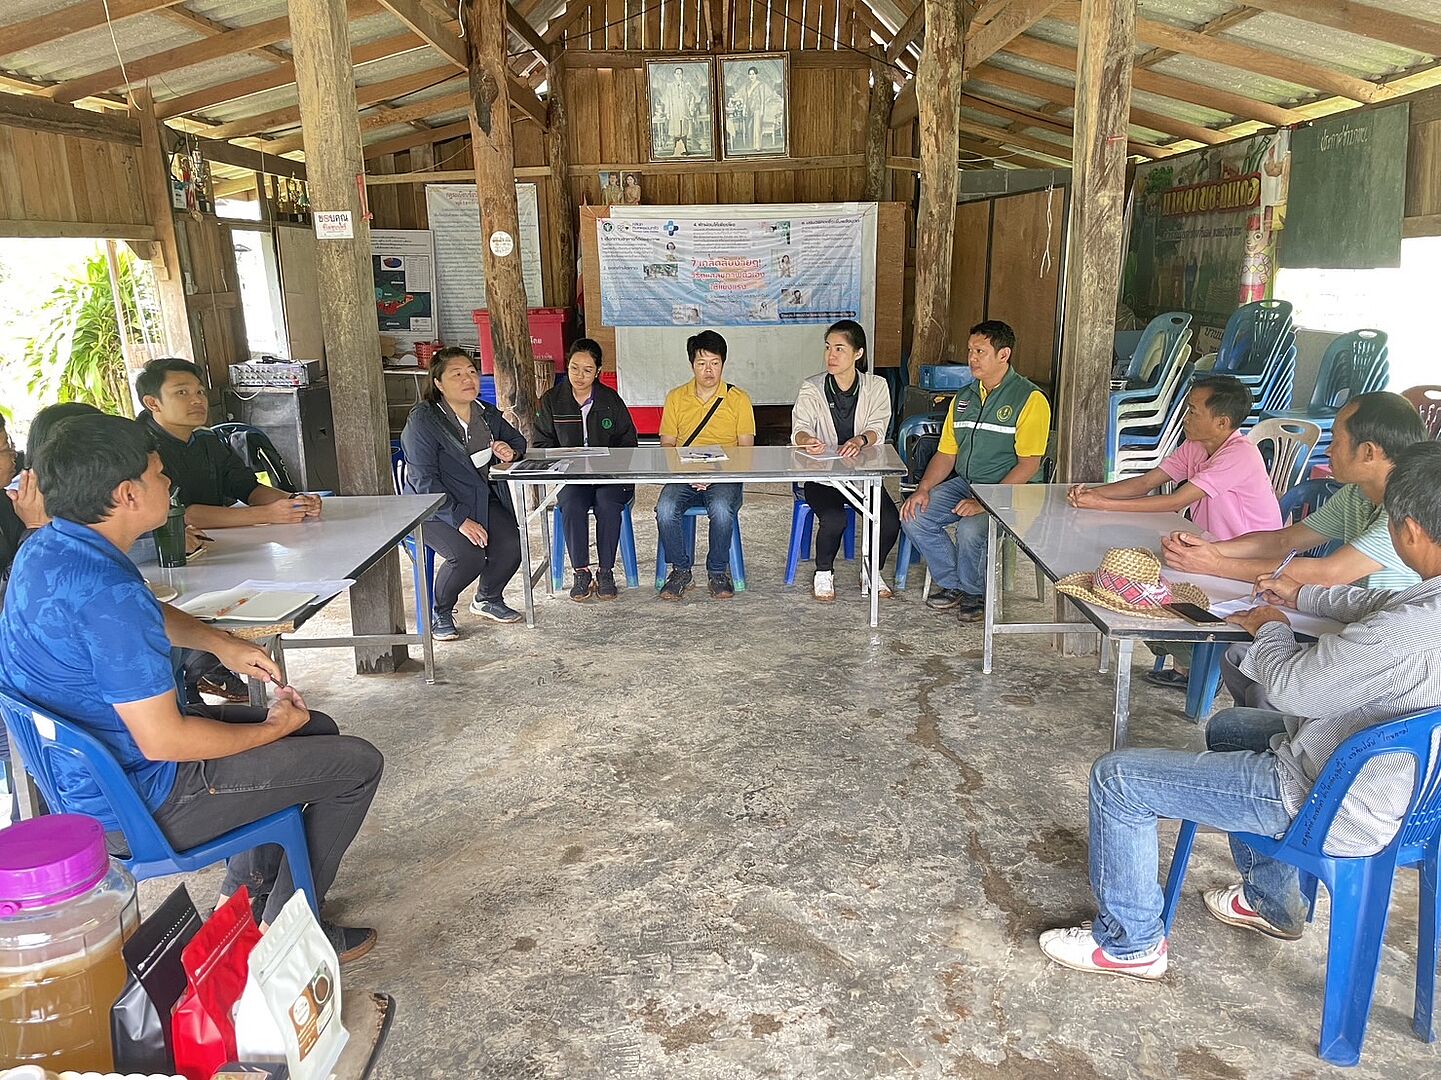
{"points": [[1223, 196]]}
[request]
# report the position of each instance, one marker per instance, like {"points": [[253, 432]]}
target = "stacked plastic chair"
{"points": [[1353, 364], [1161, 341], [1145, 419], [1259, 348], [1427, 400]]}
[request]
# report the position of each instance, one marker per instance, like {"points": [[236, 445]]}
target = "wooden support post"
{"points": [[562, 199], [938, 94], [155, 180], [494, 153], [878, 127], [320, 39]]}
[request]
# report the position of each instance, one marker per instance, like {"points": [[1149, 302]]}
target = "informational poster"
{"points": [[403, 262], [1204, 227], [729, 270], [454, 214]]}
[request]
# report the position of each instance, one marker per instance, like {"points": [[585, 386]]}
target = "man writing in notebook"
{"points": [[209, 474], [82, 636], [707, 411]]}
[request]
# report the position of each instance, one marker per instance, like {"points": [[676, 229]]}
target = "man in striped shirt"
{"points": [[1260, 765]]}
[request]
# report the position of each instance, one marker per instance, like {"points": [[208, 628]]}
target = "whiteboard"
{"points": [[454, 214], [767, 362]]}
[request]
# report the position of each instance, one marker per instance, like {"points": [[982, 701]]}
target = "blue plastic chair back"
{"points": [[1353, 364], [1254, 335], [45, 738], [913, 429], [397, 469], [1159, 345], [1304, 499]]}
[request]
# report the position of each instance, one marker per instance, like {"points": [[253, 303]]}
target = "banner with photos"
{"points": [[716, 271]]}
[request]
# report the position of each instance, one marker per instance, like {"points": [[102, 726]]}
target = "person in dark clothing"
{"points": [[450, 441], [583, 411]]}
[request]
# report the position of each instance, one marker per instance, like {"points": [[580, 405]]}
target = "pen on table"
{"points": [[1279, 570]]}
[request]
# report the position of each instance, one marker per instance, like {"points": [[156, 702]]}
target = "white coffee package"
{"points": [[290, 1009]]}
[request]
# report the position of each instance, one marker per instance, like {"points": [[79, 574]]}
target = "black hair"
{"points": [[707, 341], [1387, 421], [1230, 397], [439, 362], [86, 458], [752, 71], [586, 345], [46, 421], [152, 376], [999, 334], [1413, 490], [855, 335]]}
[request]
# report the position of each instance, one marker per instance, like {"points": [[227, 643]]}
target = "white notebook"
{"points": [[247, 605]]}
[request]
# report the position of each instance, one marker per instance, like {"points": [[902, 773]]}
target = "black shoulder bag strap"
{"points": [[716, 404]]}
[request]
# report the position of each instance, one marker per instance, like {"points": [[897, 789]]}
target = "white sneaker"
{"points": [[886, 592], [1229, 905], [825, 585], [1075, 947]]}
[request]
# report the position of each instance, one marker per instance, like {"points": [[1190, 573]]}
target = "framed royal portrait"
{"points": [[755, 105], [680, 94]]}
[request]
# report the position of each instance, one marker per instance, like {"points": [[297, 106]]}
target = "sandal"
{"points": [[1169, 678]]}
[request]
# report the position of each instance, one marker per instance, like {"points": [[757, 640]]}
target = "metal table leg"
{"points": [[873, 506], [422, 607], [1120, 728], [517, 499], [993, 595], [1103, 654]]}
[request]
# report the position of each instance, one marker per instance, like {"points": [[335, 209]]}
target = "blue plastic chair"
{"points": [[397, 467], [803, 520], [1359, 887], [738, 560], [1353, 364], [912, 429], [627, 549], [1255, 335], [1159, 346], [43, 737]]}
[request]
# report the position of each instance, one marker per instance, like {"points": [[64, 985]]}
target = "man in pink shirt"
{"points": [[1220, 475]]}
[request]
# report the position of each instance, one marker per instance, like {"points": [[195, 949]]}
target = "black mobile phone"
{"points": [[1195, 614]]}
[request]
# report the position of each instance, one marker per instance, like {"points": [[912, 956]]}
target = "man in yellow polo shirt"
{"points": [[995, 433], [704, 412]]}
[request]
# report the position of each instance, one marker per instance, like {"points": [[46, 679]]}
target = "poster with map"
{"points": [[721, 271]]}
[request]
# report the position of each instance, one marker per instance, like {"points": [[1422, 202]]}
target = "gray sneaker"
{"points": [[676, 584], [944, 599], [442, 626], [495, 611], [581, 588]]}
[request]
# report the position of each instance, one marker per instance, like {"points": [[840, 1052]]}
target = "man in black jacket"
{"points": [[583, 411]]}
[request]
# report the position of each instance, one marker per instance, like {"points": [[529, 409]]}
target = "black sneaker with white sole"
{"points": [[442, 626], [944, 599], [581, 588], [676, 584], [495, 611], [721, 586]]}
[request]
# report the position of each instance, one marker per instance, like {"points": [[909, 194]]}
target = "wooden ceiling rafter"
{"points": [[208, 27], [908, 32], [73, 19], [574, 11], [401, 114], [1378, 24], [405, 142], [1218, 25]]}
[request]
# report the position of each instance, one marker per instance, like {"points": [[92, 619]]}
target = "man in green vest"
{"points": [[995, 433]]}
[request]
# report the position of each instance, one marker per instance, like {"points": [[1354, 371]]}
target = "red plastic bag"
{"points": [[217, 962]]}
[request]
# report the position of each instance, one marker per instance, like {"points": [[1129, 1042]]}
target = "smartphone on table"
{"points": [[1195, 614]]}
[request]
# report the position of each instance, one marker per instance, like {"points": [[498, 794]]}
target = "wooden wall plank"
{"points": [[670, 26], [651, 37], [828, 30], [12, 205], [968, 268], [631, 114], [1020, 293], [585, 108], [79, 179], [776, 27], [886, 349], [1423, 169], [605, 103]]}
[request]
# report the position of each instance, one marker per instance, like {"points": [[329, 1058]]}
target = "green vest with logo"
{"points": [[986, 432]]}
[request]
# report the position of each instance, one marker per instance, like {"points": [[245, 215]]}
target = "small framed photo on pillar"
{"points": [[680, 93], [755, 105]]}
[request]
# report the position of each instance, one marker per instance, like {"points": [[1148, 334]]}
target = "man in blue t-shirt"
{"points": [[81, 635]]}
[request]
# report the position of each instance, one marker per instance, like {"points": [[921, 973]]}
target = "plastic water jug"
{"points": [[65, 910]]}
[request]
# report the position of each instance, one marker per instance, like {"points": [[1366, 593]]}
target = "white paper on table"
{"points": [[829, 455], [581, 451], [323, 590], [693, 454], [1241, 603], [247, 605]]}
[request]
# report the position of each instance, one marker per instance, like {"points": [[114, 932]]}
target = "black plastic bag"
{"points": [[140, 1018]]}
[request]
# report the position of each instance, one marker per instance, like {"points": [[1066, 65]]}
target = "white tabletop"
{"points": [[1064, 540], [743, 463], [352, 533]]}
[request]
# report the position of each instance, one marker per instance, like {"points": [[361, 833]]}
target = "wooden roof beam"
{"points": [[1245, 58], [1000, 153], [521, 27], [365, 97], [74, 19], [555, 30], [417, 138], [1407, 31], [419, 110], [208, 27], [1218, 25], [908, 32]]}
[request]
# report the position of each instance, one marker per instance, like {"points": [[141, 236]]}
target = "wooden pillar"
{"points": [[938, 95], [878, 126], [1094, 235], [562, 200], [155, 183], [320, 38], [494, 152]]}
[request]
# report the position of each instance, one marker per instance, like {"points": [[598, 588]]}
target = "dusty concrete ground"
{"points": [[757, 839]]}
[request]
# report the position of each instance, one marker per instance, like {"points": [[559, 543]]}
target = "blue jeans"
{"points": [[959, 563], [1234, 786], [722, 503]]}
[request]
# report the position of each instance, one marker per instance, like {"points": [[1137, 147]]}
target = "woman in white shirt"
{"points": [[842, 410]]}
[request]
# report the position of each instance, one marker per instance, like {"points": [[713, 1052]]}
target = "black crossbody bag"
{"points": [[716, 404]]}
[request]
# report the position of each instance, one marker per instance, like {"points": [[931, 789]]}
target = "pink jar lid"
{"points": [[49, 859]]}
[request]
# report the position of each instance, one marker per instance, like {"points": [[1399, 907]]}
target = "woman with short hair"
{"points": [[451, 441], [842, 411], [580, 410]]}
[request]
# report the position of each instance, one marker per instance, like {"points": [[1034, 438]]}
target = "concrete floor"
{"points": [[757, 839]]}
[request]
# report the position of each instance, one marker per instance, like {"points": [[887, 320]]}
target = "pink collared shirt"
{"points": [[1238, 498]]}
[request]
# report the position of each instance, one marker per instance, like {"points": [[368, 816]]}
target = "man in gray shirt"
{"points": [[1384, 663]]}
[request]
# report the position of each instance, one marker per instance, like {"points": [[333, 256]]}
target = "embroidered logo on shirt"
{"points": [[607, 423], [1004, 413]]}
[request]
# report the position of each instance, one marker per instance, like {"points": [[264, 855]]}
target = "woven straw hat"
{"points": [[1129, 580]]}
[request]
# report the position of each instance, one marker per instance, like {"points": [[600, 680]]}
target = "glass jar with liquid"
{"points": [[65, 911]]}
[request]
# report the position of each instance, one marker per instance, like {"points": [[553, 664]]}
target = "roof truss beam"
{"points": [[74, 19], [1407, 31]]}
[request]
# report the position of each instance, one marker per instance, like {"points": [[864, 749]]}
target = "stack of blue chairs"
{"points": [[1259, 348], [1144, 423], [1353, 364]]}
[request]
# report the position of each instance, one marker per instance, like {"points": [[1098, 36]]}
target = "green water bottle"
{"points": [[170, 537]]}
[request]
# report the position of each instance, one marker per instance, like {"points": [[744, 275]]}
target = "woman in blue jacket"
{"points": [[451, 441]]}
